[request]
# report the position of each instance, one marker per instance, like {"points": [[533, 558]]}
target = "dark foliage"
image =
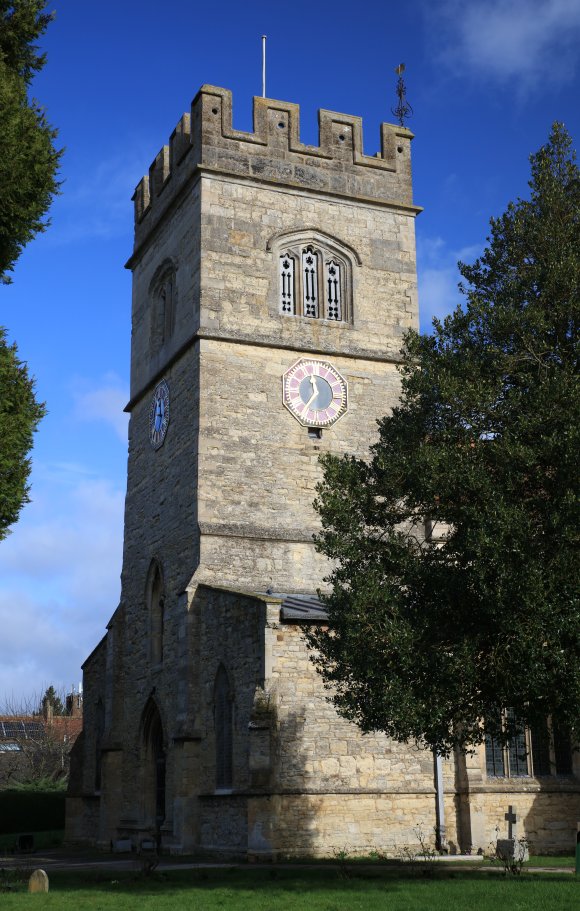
{"points": [[430, 637], [19, 417], [28, 158]]}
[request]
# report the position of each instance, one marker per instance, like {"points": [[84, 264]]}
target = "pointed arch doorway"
{"points": [[154, 768]]}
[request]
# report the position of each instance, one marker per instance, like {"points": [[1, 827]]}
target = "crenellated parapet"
{"points": [[205, 140]]}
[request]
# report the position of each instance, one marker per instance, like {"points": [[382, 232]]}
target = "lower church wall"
{"points": [[82, 820], [547, 820], [224, 824], [323, 825]]}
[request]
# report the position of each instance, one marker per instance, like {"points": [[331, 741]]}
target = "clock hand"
{"points": [[314, 385]]}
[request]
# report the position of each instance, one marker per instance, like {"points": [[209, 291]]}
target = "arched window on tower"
{"points": [[156, 608], [163, 303], [223, 716], [315, 277]]}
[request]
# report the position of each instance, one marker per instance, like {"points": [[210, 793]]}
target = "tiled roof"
{"points": [[27, 727]]}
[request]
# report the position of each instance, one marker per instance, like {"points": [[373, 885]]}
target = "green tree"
{"points": [[20, 414], [28, 168], [432, 636], [28, 158], [52, 698]]}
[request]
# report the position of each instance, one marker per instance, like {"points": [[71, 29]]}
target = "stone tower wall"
{"points": [[220, 204]]}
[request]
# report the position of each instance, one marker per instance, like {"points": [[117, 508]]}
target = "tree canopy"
{"points": [[52, 698], [28, 168], [454, 592], [20, 414], [28, 158]]}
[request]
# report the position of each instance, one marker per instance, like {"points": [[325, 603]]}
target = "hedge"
{"points": [[31, 811]]}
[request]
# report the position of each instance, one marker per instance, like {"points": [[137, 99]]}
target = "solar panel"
{"points": [[21, 729], [13, 728]]}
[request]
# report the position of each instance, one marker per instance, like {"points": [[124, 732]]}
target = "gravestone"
{"points": [[38, 881], [122, 846], [511, 819], [511, 849]]}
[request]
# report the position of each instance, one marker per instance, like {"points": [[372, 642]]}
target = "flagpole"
{"points": [[264, 66]]}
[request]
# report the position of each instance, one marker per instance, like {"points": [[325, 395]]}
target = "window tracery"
{"points": [[314, 280], [540, 751]]}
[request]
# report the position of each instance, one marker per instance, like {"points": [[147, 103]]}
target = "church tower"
{"points": [[255, 253], [272, 284]]}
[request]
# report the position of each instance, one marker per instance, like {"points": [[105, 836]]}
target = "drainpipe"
{"points": [[440, 838]]}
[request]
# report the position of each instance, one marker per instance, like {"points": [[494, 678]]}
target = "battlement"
{"points": [[205, 139]]}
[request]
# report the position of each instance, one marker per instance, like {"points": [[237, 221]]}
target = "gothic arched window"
{"points": [[223, 716], [154, 766], [314, 277], [163, 302], [155, 598]]}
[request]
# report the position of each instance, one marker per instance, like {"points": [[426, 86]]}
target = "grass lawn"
{"points": [[291, 890]]}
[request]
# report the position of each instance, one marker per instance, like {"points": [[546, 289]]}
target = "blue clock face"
{"points": [[159, 415]]}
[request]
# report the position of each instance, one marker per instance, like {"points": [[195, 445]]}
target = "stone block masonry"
{"points": [[206, 726]]}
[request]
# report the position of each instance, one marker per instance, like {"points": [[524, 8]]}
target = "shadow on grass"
{"points": [[265, 879]]}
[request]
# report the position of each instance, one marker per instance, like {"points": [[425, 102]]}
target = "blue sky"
{"points": [[485, 77]]}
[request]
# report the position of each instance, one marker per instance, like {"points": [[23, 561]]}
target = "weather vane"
{"points": [[403, 108]]}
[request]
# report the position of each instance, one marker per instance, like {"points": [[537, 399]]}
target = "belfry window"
{"points": [[163, 296], [333, 289], [310, 282], [287, 295], [314, 282]]}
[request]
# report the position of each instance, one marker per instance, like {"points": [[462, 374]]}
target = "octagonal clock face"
{"points": [[159, 415], [314, 392]]}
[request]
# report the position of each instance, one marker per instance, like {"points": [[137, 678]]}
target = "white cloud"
{"points": [[60, 582], [524, 41], [104, 402], [439, 276]]}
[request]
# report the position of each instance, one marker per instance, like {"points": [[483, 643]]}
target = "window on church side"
{"points": [[223, 716], [313, 283], [539, 751], [156, 608]]}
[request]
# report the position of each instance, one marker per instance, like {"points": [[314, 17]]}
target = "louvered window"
{"points": [[287, 288], [314, 282], [223, 713], [310, 282], [333, 289]]}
